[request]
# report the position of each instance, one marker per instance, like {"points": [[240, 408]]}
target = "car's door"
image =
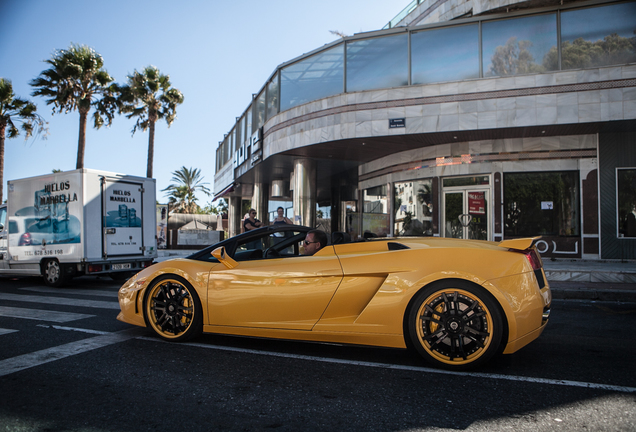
{"points": [[277, 293]]}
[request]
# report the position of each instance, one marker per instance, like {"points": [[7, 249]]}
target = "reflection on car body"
{"points": [[456, 302]]}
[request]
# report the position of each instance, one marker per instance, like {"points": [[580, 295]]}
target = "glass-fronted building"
{"points": [[469, 119]]}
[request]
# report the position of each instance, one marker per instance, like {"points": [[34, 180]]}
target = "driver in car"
{"points": [[314, 241]]}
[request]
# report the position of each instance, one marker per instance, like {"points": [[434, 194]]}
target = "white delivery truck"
{"points": [[81, 222]]}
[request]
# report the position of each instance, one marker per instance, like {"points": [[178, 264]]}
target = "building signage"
{"points": [[256, 158], [477, 203], [397, 123]]}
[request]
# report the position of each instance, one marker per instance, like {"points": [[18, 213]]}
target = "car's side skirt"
{"points": [[383, 340]]}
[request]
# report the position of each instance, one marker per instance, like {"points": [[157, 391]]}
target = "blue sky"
{"points": [[216, 52]]}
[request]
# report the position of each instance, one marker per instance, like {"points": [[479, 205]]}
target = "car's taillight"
{"points": [[25, 240], [145, 264], [533, 257]]}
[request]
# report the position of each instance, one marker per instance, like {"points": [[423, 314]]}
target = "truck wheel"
{"points": [[53, 274]]}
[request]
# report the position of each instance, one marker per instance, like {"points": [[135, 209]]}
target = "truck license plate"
{"points": [[124, 266]]}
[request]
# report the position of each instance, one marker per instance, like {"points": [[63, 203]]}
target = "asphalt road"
{"points": [[66, 364]]}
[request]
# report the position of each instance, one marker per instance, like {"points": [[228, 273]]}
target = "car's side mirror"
{"points": [[1, 227], [223, 257]]}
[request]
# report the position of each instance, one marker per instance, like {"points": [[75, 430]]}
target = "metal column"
{"points": [[234, 216], [304, 197], [260, 202]]}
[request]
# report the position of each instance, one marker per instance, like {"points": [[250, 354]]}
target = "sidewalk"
{"points": [[568, 279], [592, 280]]}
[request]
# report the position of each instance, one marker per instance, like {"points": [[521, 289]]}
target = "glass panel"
{"points": [[375, 217], [453, 208], [519, 46], [377, 63], [449, 54], [272, 97], [413, 208], [626, 202], [248, 123], [598, 36], [313, 78], [240, 130], [465, 181], [541, 204], [258, 111]]}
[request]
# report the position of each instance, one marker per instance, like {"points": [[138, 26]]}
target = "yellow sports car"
{"points": [[457, 302]]}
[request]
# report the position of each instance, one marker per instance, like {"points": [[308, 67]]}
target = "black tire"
{"points": [[172, 309], [455, 325], [54, 273]]}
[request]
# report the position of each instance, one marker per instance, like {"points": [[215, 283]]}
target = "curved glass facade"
{"points": [[525, 44]]}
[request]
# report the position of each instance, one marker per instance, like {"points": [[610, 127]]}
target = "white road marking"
{"points": [[81, 330], [6, 331], [61, 301], [26, 361], [97, 293], [547, 381], [41, 315]]}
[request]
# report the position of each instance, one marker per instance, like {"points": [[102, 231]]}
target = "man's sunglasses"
{"points": [[307, 243]]}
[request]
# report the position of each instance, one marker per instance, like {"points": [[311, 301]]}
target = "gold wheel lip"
{"points": [[149, 311], [443, 358]]}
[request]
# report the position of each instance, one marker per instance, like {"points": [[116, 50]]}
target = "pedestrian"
{"points": [[251, 223], [281, 218]]}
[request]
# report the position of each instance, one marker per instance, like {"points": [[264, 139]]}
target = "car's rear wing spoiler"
{"points": [[519, 244]]}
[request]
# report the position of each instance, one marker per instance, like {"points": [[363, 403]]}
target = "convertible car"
{"points": [[456, 302]]}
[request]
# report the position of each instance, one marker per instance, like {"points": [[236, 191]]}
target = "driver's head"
{"points": [[314, 241]]}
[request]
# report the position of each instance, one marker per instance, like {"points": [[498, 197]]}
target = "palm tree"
{"points": [[182, 193], [14, 111], [76, 80], [149, 97]]}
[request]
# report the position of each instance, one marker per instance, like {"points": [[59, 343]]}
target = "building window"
{"points": [[272, 97], [626, 193], [541, 204], [413, 207], [448, 54], [598, 36], [375, 217], [519, 46], [258, 111], [313, 78], [377, 63]]}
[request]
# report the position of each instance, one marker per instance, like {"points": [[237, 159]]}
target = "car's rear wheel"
{"points": [[455, 324], [172, 309]]}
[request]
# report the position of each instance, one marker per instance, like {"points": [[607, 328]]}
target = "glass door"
{"points": [[466, 214]]}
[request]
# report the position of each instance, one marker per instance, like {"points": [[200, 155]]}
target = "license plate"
{"points": [[124, 266]]}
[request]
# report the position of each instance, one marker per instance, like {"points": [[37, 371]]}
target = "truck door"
{"points": [[4, 238], [122, 217]]}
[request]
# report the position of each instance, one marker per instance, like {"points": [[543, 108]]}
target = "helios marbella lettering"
{"points": [[122, 196]]}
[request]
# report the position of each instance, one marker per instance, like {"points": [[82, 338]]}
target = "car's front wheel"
{"points": [[172, 309], [455, 324]]}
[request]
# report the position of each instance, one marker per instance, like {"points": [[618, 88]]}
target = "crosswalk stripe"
{"points": [[96, 293], [41, 315], [26, 361], [60, 301]]}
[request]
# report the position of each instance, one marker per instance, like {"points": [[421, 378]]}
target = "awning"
{"points": [[224, 192]]}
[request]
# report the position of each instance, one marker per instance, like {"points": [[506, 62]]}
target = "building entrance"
{"points": [[466, 213]]}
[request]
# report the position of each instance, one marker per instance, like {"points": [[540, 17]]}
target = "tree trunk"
{"points": [[81, 145], [151, 147], [3, 128]]}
